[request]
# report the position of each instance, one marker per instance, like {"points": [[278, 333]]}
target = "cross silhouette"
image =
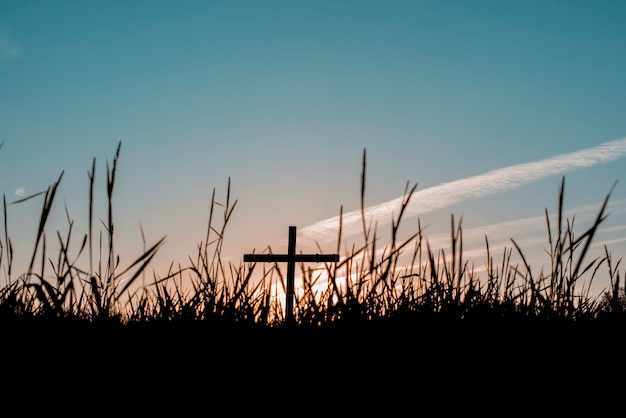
{"points": [[291, 258]]}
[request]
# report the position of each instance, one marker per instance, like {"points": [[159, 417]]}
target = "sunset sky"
{"points": [[484, 105]]}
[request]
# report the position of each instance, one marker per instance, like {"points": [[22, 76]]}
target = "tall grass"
{"points": [[404, 280]]}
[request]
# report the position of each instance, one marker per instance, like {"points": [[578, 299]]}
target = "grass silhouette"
{"points": [[370, 298]]}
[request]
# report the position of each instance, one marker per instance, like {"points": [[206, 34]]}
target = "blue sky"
{"points": [[282, 97]]}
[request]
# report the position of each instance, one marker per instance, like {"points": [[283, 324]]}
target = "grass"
{"points": [[392, 328], [370, 290]]}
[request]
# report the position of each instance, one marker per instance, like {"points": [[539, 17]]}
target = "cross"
{"points": [[291, 258]]}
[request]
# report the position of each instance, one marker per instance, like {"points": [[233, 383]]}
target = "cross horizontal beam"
{"points": [[297, 258]]}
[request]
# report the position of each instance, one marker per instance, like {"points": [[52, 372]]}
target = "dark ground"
{"points": [[377, 367]]}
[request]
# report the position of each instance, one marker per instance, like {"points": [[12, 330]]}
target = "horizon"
{"points": [[281, 99], [528, 232]]}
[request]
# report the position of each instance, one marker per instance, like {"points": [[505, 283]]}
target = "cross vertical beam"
{"points": [[291, 258], [291, 271]]}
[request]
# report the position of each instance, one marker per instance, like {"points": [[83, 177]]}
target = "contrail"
{"points": [[446, 194]]}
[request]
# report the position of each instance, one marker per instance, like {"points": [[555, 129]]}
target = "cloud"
{"points": [[20, 191], [446, 194], [9, 49], [525, 231]]}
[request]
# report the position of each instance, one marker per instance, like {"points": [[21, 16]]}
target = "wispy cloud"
{"points": [[446, 194], [526, 231], [9, 49]]}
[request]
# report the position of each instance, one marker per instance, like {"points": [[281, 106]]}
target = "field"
{"points": [[374, 314]]}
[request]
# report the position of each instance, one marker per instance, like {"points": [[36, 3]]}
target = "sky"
{"points": [[484, 106]]}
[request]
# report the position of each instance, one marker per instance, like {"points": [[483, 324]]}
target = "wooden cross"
{"points": [[291, 258]]}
